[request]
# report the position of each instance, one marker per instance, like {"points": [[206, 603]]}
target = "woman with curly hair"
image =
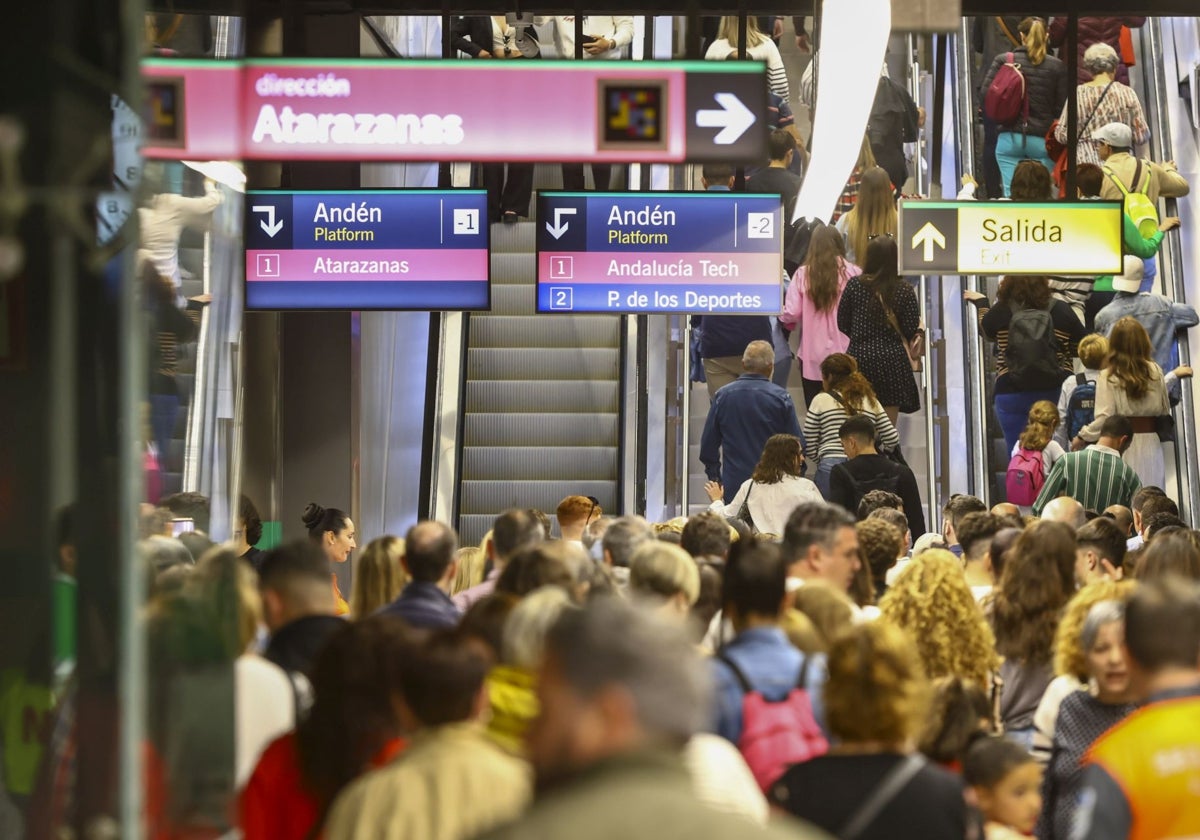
{"points": [[1070, 656], [1086, 714], [1020, 384], [932, 602], [773, 490], [876, 699], [811, 305], [1037, 582], [1133, 385], [846, 393]]}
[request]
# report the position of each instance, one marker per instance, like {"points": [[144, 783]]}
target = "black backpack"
{"points": [[1031, 353], [862, 486]]}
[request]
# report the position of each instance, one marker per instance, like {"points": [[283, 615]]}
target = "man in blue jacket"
{"points": [[743, 415]]}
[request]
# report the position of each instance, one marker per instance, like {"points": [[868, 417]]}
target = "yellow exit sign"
{"points": [[1009, 237]]}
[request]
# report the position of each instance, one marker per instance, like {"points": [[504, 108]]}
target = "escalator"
{"points": [[541, 415]]}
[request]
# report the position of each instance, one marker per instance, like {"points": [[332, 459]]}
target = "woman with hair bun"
{"points": [[333, 531]]}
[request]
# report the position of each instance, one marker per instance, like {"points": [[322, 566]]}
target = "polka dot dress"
{"points": [[881, 356]]}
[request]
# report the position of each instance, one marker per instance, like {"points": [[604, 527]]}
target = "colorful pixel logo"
{"points": [[164, 113], [633, 115]]}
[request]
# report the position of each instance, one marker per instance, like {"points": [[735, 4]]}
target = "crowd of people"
{"points": [[1006, 676]]}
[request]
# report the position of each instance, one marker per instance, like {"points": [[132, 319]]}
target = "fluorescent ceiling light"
{"points": [[854, 37]]}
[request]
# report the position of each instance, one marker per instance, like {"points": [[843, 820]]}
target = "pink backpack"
{"points": [[777, 735], [1026, 475], [1006, 101]]}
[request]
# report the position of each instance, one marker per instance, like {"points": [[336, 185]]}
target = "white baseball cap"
{"points": [[1130, 280], [1118, 135]]}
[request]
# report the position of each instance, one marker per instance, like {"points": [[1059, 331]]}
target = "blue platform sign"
{"points": [[698, 252], [395, 250]]}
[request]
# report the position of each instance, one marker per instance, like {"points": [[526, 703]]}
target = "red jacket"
{"points": [[1094, 30], [275, 804]]}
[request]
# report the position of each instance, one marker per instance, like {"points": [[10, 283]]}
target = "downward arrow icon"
{"points": [[560, 227], [733, 118], [928, 236], [271, 226]]}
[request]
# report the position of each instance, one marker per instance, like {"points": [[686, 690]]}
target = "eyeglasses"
{"points": [[875, 236], [595, 504]]}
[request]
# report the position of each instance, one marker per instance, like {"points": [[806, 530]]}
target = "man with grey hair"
{"points": [[1066, 510], [621, 693], [743, 415], [819, 542], [623, 537]]}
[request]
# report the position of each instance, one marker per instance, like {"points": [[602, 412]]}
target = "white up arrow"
{"points": [[733, 118], [928, 236], [271, 226], [560, 227]]}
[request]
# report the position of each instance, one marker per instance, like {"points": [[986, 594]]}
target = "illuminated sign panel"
{"points": [[604, 111], [1010, 237], [701, 252], [400, 249]]}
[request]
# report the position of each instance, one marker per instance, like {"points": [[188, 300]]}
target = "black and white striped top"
{"points": [[826, 415]]}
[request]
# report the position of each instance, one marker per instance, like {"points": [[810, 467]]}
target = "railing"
{"points": [[1170, 259]]}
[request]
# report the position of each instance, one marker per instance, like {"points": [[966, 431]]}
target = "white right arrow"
{"points": [[560, 227], [271, 226], [733, 118], [928, 236]]}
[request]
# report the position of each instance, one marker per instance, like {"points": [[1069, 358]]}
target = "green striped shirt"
{"points": [[1096, 477]]}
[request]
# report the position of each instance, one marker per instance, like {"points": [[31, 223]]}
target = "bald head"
{"points": [[1066, 510], [759, 358], [1006, 509], [429, 551]]}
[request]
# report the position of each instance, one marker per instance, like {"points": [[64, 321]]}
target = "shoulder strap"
{"points": [[737, 672], [842, 402], [888, 789], [1088, 121], [1012, 39], [1137, 177], [1112, 176], [802, 680]]}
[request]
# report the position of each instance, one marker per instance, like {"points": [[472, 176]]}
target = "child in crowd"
{"points": [[1007, 782], [1035, 443]]}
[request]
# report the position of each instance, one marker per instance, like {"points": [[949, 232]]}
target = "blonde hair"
{"points": [[525, 628], [866, 155], [876, 689], [1034, 30], [728, 30], [802, 633], [1039, 428], [471, 560], [228, 587], [1093, 351], [378, 576], [933, 603], [874, 212], [661, 570], [1069, 656], [829, 610]]}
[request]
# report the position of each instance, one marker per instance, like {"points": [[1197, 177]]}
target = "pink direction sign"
{"points": [[604, 111]]}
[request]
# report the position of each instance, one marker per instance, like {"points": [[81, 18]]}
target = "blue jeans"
{"points": [[1012, 147], [821, 479], [164, 408], [1012, 410]]}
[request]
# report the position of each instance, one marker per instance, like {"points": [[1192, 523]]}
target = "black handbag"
{"points": [[1164, 426], [744, 511]]}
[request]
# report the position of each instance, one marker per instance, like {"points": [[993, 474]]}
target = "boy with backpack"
{"points": [[1077, 402], [768, 698], [867, 470]]}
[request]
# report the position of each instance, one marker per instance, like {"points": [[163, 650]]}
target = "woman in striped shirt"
{"points": [[846, 392]]}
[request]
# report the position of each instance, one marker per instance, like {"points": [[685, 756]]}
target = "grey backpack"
{"points": [[1031, 354]]}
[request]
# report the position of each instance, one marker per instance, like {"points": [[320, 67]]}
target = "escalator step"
{"points": [[513, 300], [513, 269], [521, 463], [544, 430], [530, 363], [486, 496], [536, 397], [501, 331], [513, 239]]}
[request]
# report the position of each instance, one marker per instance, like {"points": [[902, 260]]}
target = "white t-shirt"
{"points": [[765, 50], [770, 504], [264, 709]]}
